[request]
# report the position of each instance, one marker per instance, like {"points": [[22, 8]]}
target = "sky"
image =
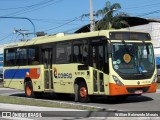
{"points": [[56, 16]]}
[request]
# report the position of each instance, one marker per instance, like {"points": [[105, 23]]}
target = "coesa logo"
{"points": [[55, 73], [61, 75]]}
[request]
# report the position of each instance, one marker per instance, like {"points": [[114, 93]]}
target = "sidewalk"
{"points": [[15, 107], [17, 112]]}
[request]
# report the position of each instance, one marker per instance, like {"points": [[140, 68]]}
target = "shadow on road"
{"points": [[97, 99], [129, 99]]}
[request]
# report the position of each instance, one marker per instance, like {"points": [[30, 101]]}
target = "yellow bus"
{"points": [[108, 63]]}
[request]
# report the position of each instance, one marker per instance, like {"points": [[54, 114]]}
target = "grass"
{"points": [[37, 102]]}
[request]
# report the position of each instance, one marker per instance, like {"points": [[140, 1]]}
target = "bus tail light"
{"points": [[117, 81], [154, 79]]}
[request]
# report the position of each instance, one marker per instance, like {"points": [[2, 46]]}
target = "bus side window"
{"points": [[10, 57], [33, 56], [21, 56], [63, 53], [77, 56], [85, 53], [80, 51]]}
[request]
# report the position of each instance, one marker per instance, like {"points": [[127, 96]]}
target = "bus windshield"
{"points": [[133, 58]]}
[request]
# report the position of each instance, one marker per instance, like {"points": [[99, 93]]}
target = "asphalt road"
{"points": [[146, 102]]}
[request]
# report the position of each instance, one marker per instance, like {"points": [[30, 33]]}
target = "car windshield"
{"points": [[135, 58]]}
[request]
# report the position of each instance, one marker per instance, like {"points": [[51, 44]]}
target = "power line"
{"points": [[42, 3], [57, 22], [6, 36], [53, 20], [33, 5], [141, 7], [43, 6], [144, 6], [149, 13], [63, 24]]}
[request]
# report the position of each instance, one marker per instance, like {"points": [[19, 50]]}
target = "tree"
{"points": [[109, 20]]}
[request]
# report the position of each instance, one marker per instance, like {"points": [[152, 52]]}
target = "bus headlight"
{"points": [[117, 81], [154, 79]]}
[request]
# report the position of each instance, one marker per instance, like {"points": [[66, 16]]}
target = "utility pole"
{"points": [[92, 23]]}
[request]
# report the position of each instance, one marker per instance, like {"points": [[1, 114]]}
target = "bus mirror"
{"points": [[109, 48]]}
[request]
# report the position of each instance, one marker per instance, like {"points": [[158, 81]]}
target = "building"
{"points": [[1, 58], [152, 27]]}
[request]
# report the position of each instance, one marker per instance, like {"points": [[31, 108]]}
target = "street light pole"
{"points": [[92, 24], [106, 14], [34, 29]]}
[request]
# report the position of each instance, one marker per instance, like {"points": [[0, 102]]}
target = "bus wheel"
{"points": [[29, 89], [83, 93]]}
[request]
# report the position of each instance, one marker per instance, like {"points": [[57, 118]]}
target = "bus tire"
{"points": [[29, 89], [83, 93]]}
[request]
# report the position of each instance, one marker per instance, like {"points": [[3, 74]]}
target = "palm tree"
{"points": [[109, 20]]}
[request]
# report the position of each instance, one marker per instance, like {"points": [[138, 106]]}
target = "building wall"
{"points": [[1, 48], [1, 62], [1, 57], [153, 28]]}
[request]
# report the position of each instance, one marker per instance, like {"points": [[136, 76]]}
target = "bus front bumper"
{"points": [[115, 89]]}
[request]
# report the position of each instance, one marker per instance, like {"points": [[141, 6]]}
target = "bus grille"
{"points": [[136, 77], [132, 90]]}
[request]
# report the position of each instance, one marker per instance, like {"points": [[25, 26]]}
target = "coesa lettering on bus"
{"points": [[61, 75]]}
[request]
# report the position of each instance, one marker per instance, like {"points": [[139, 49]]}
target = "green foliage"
{"points": [[109, 20]]}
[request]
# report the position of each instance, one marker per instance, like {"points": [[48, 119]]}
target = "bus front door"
{"points": [[47, 61], [97, 61]]}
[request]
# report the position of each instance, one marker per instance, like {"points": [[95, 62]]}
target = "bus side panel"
{"points": [[14, 77], [63, 78], [38, 82], [65, 75], [106, 84]]}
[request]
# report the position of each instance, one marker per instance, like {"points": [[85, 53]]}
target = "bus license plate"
{"points": [[138, 92]]}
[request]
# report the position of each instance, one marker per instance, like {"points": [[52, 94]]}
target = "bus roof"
{"points": [[61, 37]]}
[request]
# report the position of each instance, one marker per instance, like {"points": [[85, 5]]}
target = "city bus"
{"points": [[113, 63]]}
